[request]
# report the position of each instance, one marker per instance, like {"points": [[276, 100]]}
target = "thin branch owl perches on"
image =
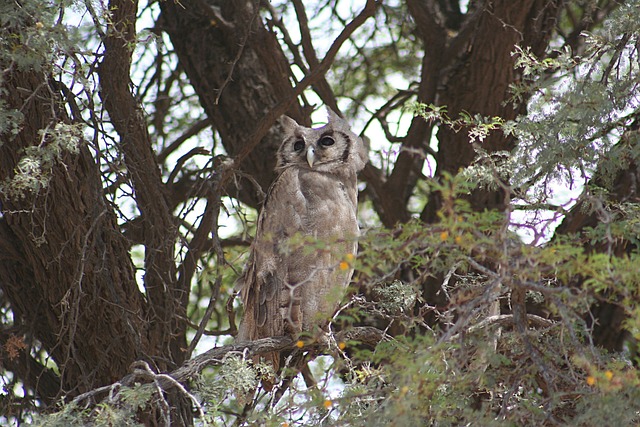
{"points": [[308, 225]]}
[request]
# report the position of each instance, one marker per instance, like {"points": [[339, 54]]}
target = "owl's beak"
{"points": [[311, 156]]}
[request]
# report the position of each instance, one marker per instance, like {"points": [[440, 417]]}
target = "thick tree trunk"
{"points": [[64, 265], [479, 69], [65, 268], [470, 71], [239, 72]]}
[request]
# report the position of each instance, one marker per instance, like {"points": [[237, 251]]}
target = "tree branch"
{"points": [[192, 368], [281, 107], [160, 231], [321, 87], [193, 130]]}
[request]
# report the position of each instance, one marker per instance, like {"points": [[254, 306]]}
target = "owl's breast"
{"points": [[330, 204]]}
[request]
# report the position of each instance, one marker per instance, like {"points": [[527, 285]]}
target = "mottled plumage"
{"points": [[307, 227]]}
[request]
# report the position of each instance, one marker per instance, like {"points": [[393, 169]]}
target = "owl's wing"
{"points": [[260, 296], [264, 289]]}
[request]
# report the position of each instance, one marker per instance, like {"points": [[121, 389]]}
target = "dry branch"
{"points": [[365, 334], [214, 357]]}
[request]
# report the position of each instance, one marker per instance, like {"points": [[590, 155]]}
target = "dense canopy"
{"points": [[497, 277]]}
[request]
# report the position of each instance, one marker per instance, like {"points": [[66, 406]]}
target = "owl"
{"points": [[306, 230]]}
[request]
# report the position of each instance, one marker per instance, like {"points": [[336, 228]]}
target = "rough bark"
{"points": [[167, 301], [65, 268], [239, 72], [468, 66], [64, 265], [477, 69]]}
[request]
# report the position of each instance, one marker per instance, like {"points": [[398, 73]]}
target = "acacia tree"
{"points": [[131, 143]]}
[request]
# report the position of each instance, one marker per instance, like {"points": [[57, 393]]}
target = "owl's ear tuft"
{"points": [[336, 121], [289, 124]]}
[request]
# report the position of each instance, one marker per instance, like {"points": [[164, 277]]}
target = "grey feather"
{"points": [[291, 284]]}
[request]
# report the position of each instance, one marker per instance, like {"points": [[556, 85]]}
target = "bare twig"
{"points": [[193, 130], [281, 107], [208, 222], [142, 368], [321, 86], [506, 320]]}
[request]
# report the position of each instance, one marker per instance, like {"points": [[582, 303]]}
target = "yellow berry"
{"points": [[591, 380], [344, 265], [342, 345], [327, 403], [609, 375], [444, 235], [300, 344]]}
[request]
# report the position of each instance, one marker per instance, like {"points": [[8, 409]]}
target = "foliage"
{"points": [[34, 169], [120, 413], [485, 317]]}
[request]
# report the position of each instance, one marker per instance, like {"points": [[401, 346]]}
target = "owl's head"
{"points": [[331, 148]]}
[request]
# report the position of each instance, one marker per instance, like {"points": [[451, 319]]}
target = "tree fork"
{"points": [[64, 262]]}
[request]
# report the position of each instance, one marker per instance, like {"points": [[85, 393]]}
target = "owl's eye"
{"points": [[327, 141], [298, 145]]}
